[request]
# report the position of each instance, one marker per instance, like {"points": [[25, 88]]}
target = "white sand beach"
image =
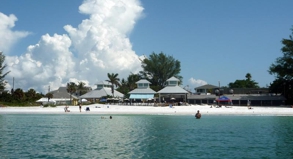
{"points": [[177, 110]]}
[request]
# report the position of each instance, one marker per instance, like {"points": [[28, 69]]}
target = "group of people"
{"points": [[105, 117], [66, 109]]}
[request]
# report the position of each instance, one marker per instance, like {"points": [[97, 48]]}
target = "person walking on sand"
{"points": [[198, 115], [79, 107]]}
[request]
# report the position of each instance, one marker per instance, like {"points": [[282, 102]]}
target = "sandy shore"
{"points": [[177, 110]]}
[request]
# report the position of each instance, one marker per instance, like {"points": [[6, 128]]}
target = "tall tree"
{"points": [[81, 87], [114, 80], [248, 76], [19, 95], [123, 88], [49, 96], [31, 94], [2, 74], [282, 68], [71, 88], [157, 68], [131, 80], [247, 83]]}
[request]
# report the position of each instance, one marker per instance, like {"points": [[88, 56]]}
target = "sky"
{"points": [[50, 43]]}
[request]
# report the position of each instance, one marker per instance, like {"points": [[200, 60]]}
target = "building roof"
{"points": [[173, 89], [143, 81], [145, 90], [101, 92], [61, 92], [238, 97], [207, 86], [173, 79]]}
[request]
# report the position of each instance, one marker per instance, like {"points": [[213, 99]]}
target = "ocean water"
{"points": [[145, 136]]}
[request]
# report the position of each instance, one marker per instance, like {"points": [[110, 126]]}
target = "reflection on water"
{"points": [[145, 136]]}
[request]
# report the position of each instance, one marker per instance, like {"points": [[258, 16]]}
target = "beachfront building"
{"points": [[60, 97], [172, 93], [209, 94], [207, 89], [103, 89], [143, 93]]}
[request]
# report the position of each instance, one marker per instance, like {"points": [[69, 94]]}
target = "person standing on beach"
{"points": [[198, 115], [79, 107]]}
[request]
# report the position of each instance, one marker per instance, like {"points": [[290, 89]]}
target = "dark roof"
{"points": [[61, 92], [207, 86]]}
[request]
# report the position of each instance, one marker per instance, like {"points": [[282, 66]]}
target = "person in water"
{"points": [[110, 117], [197, 115]]}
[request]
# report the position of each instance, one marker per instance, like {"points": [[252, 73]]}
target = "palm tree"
{"points": [[71, 88], [114, 80], [80, 87], [132, 79], [49, 96], [248, 76]]}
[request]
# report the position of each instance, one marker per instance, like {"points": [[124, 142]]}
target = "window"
{"points": [[172, 82], [99, 86]]}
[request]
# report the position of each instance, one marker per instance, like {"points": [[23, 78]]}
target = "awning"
{"points": [[141, 96], [223, 99]]}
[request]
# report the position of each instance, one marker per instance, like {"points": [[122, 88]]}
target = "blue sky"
{"points": [[213, 40]]}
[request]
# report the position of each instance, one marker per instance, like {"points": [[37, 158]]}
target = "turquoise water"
{"points": [[145, 136]]}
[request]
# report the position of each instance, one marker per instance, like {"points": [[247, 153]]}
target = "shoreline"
{"points": [[151, 110]]}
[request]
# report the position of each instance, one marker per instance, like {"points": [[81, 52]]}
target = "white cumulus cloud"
{"points": [[196, 82], [97, 46], [9, 37]]}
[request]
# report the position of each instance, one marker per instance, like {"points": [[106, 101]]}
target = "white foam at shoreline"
{"points": [[177, 110]]}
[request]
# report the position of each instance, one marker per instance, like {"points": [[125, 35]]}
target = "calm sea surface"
{"points": [[145, 136]]}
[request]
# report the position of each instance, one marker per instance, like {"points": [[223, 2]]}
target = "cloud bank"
{"points": [[9, 37], [97, 46]]}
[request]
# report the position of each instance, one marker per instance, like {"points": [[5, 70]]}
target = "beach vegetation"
{"points": [[114, 80], [2, 72], [282, 70], [49, 96], [81, 88], [244, 83], [71, 88], [128, 84], [158, 68], [124, 89], [18, 97]]}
